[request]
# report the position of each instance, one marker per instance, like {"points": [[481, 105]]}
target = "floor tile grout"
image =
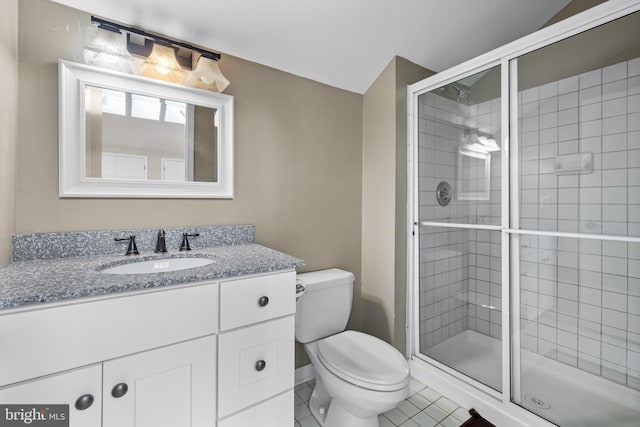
{"points": [[424, 407]]}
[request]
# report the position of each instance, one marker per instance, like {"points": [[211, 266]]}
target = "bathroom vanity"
{"points": [[216, 351]]}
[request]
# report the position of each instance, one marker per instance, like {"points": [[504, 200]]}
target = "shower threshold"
{"points": [[555, 391]]}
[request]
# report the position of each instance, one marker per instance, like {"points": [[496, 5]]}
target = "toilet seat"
{"points": [[365, 361]]}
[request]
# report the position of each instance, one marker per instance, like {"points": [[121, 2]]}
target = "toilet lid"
{"points": [[364, 360]]}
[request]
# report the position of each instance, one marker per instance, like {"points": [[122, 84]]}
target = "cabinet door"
{"points": [[173, 386], [63, 388], [256, 363]]}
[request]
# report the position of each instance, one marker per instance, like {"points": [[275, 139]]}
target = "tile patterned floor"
{"points": [[423, 408]]}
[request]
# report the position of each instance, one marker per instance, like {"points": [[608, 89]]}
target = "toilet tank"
{"points": [[324, 308]]}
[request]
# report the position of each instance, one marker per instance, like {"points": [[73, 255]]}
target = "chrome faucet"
{"points": [[161, 244], [132, 249]]}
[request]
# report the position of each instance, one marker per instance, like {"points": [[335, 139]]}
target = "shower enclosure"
{"points": [[525, 223]]}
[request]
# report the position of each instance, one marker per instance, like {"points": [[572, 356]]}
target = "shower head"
{"points": [[463, 94]]}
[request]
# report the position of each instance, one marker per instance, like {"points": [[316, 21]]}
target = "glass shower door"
{"points": [[459, 186], [576, 247]]}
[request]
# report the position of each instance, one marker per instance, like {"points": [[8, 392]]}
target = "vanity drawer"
{"points": [[256, 299], [54, 339], [258, 363], [275, 412]]}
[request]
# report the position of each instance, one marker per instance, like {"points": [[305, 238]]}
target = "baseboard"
{"points": [[304, 373]]}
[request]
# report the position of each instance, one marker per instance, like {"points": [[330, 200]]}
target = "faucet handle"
{"points": [[184, 246], [132, 249]]}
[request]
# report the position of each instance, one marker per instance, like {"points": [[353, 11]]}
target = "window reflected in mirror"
{"points": [[131, 136]]}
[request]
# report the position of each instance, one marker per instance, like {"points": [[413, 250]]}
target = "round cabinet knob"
{"points": [[260, 365], [84, 402], [263, 301], [119, 390]]}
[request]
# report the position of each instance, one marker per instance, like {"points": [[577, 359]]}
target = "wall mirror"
{"points": [[474, 175], [128, 136]]}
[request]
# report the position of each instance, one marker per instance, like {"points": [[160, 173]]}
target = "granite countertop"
{"points": [[51, 280]]}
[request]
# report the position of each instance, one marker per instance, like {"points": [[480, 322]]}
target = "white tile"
{"points": [[614, 90], [614, 319], [568, 100], [436, 413], [549, 120], [633, 140], [633, 67], [590, 195], [633, 122], [396, 416], [569, 84], [529, 95], [549, 105], [590, 78], [301, 411], [633, 158], [568, 132], [615, 142], [590, 313], [633, 85], [408, 408], [614, 107], [409, 423], [614, 160], [633, 323], [614, 72], [590, 95], [587, 113], [430, 394], [612, 125], [384, 421], [633, 360], [446, 405], [419, 401], [311, 422], [614, 178], [590, 296], [550, 89], [614, 301], [614, 354], [450, 421], [634, 305], [424, 420]]}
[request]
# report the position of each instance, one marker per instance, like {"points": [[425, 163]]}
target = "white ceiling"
{"points": [[343, 43]]}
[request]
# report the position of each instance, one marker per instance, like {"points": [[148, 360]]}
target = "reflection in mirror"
{"points": [[474, 174], [131, 136]]}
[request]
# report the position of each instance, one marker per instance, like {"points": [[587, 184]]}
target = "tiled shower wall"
{"points": [[459, 268], [580, 299]]}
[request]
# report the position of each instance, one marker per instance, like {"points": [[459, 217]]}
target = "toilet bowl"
{"points": [[358, 376]]}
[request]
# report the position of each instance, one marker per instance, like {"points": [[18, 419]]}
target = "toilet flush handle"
{"points": [[260, 365], [263, 301]]}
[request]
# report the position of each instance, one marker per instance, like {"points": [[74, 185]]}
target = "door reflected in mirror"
{"points": [[131, 136]]}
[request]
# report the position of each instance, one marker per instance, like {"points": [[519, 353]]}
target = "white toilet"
{"points": [[358, 376]]}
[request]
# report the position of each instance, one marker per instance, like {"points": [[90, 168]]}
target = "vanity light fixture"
{"points": [[207, 75], [163, 65], [109, 50], [163, 58]]}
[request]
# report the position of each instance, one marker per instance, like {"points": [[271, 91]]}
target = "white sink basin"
{"points": [[158, 265]]}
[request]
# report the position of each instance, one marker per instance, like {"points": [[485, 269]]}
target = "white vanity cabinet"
{"points": [[166, 387], [83, 385], [158, 358], [256, 351]]}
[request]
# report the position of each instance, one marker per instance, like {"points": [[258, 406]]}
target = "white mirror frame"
{"points": [[73, 78]]}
